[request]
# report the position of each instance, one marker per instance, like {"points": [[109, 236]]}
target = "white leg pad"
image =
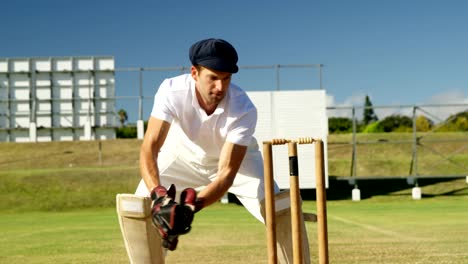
{"points": [[283, 230], [142, 241]]}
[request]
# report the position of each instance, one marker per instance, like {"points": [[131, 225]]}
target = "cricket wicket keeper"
{"points": [[200, 134]]}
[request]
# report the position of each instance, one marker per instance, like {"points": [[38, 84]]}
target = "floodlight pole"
{"points": [[140, 99], [415, 146]]}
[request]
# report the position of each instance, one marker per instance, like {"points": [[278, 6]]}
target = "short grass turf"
{"points": [[377, 230]]}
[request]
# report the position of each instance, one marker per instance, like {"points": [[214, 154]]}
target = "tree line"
{"points": [[370, 123]]}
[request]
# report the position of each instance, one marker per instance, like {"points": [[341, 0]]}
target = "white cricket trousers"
{"points": [[183, 168]]}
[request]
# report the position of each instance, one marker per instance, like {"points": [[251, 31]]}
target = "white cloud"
{"points": [[442, 105], [449, 97], [344, 109]]}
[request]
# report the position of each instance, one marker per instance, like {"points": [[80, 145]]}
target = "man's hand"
{"points": [[164, 212], [188, 199], [169, 217]]}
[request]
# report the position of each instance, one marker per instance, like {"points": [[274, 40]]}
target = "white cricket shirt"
{"points": [[234, 120]]}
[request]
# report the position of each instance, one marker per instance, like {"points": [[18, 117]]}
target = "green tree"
{"points": [[123, 117], [423, 124], [462, 124], [373, 128], [397, 123], [369, 115], [126, 132], [340, 125], [460, 121], [456, 122]]}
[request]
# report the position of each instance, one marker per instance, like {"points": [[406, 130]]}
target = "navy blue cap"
{"points": [[216, 54]]}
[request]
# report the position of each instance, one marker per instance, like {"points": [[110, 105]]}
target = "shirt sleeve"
{"points": [[162, 103], [243, 129]]}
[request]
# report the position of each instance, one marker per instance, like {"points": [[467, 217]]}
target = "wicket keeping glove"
{"points": [[172, 219]]}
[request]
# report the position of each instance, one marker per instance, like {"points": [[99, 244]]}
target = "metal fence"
{"points": [[423, 154], [136, 87], [411, 154]]}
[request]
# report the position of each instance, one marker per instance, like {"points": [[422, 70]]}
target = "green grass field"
{"points": [[377, 230], [390, 154], [57, 206]]}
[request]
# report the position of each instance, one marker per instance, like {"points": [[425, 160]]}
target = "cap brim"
{"points": [[219, 65]]}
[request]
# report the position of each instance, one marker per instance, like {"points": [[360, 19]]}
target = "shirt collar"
{"points": [[219, 109]]}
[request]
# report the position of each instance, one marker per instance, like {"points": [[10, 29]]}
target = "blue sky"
{"points": [[397, 52]]}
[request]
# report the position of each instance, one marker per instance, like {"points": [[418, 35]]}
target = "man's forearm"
{"points": [[149, 168], [154, 138], [230, 160], [215, 190]]}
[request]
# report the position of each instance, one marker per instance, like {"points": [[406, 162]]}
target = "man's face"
{"points": [[211, 86]]}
